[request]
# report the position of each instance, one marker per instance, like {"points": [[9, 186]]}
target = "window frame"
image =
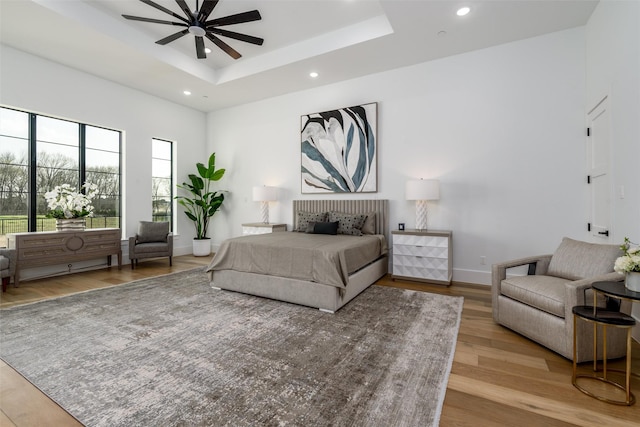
{"points": [[171, 186], [34, 192]]}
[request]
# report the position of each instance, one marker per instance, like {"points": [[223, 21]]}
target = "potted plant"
{"points": [[203, 203], [70, 207]]}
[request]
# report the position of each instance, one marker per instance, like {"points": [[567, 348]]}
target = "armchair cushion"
{"points": [[151, 247], [4, 263], [545, 293], [152, 232], [575, 260]]}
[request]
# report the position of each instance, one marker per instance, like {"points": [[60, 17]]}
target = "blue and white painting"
{"points": [[339, 150]]}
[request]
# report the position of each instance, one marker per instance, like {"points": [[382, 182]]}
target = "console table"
{"points": [[59, 247]]}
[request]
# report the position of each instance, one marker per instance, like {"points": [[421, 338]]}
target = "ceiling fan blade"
{"points": [[155, 21], [206, 9], [185, 9], [165, 10], [200, 48], [238, 18], [173, 37], [237, 36], [222, 45]]}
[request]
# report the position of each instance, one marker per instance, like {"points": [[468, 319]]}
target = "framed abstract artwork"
{"points": [[339, 150]]}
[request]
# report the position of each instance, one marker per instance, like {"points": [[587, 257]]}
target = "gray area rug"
{"points": [[171, 351]]}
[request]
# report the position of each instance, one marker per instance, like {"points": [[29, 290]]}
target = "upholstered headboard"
{"points": [[380, 207]]}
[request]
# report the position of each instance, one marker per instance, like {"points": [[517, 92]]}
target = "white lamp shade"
{"points": [[265, 194], [423, 189]]}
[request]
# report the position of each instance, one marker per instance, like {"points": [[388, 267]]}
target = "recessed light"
{"points": [[186, 92], [463, 11], [207, 50], [313, 74], [442, 33]]}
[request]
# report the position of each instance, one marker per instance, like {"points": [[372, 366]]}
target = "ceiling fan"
{"points": [[196, 23]]}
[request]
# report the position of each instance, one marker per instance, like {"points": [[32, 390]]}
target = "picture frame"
{"points": [[339, 150]]}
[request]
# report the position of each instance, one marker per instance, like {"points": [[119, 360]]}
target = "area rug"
{"points": [[171, 351]]}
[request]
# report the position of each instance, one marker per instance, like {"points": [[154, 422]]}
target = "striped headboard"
{"points": [[380, 207]]}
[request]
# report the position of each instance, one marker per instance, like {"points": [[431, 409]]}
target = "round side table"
{"points": [[606, 317]]}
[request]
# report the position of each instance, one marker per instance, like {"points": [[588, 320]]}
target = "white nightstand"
{"points": [[262, 228], [422, 255]]}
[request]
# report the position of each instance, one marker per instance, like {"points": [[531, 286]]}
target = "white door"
{"points": [[598, 153]]}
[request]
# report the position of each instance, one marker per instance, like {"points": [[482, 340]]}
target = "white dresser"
{"points": [[422, 255], [262, 228]]}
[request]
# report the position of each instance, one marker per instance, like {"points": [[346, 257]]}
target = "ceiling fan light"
{"points": [[197, 31]]}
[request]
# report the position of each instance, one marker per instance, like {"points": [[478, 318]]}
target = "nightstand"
{"points": [[423, 255], [262, 228]]}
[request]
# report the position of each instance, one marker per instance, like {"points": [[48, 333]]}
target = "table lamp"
{"points": [[422, 190], [265, 195]]}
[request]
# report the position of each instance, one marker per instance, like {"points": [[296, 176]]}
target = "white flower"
{"points": [[630, 261], [65, 202]]}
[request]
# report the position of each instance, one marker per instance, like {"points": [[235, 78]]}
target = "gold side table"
{"points": [[605, 318]]}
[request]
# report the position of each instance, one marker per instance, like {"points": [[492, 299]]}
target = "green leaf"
{"points": [[217, 174], [202, 170], [197, 182]]}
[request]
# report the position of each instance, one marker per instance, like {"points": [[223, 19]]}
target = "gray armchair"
{"points": [[153, 240], [8, 258], [539, 304]]}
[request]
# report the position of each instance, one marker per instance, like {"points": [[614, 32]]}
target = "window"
{"points": [[162, 180], [38, 153]]}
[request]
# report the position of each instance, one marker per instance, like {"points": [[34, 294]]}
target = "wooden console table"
{"points": [[59, 247]]}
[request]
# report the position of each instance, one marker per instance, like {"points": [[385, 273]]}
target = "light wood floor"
{"points": [[498, 378]]}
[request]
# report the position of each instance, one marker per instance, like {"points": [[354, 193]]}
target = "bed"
{"points": [[277, 265]]}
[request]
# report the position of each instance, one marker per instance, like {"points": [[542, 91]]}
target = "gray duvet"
{"points": [[321, 258]]}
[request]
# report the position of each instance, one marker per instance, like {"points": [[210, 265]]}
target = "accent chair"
{"points": [[153, 240], [539, 304], [8, 259]]}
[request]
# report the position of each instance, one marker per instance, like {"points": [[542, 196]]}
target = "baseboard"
{"points": [[472, 276]]}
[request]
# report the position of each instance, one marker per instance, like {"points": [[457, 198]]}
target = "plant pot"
{"points": [[201, 247], [70, 224], [632, 281]]}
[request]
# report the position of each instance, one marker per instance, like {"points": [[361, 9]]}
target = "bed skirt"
{"points": [[312, 294]]}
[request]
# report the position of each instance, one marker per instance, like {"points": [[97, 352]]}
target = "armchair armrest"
{"points": [[499, 271], [13, 259], [575, 291]]}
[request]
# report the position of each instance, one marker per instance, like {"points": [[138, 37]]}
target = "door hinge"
{"points": [[588, 179], [588, 131], [588, 226]]}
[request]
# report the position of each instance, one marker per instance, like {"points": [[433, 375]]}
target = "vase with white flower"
{"points": [[71, 207], [629, 265]]}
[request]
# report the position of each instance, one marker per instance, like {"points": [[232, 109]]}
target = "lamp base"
{"points": [[421, 214], [264, 210]]}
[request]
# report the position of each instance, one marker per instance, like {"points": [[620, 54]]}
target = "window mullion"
{"points": [[82, 170], [32, 203]]}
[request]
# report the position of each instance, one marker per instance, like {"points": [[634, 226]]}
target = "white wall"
{"points": [[34, 84], [502, 128], [613, 69]]}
